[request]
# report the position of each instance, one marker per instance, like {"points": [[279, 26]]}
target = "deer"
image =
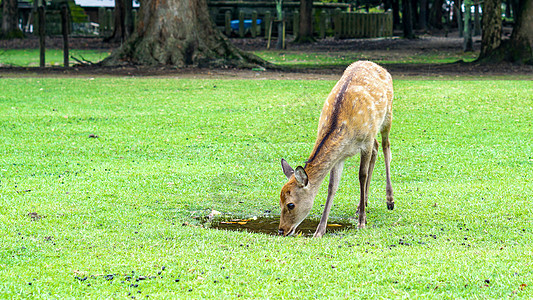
{"points": [[358, 108]]}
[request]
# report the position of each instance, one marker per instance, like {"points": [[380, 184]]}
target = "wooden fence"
{"points": [[327, 23], [363, 25]]}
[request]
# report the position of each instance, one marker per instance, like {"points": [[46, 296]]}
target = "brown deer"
{"points": [[358, 107]]}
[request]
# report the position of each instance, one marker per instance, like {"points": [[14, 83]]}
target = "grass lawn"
{"points": [[53, 57], [333, 58], [112, 216]]}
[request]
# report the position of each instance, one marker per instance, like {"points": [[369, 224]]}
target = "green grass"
{"points": [[169, 149], [53, 57], [333, 58]]}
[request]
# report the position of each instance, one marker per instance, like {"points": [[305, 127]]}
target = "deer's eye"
{"points": [[290, 206]]}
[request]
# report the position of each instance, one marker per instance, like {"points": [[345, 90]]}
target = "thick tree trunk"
{"points": [[519, 48], [179, 33], [521, 42], [306, 22], [10, 19]]}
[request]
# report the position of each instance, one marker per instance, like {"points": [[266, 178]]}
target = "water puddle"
{"points": [[269, 225]]}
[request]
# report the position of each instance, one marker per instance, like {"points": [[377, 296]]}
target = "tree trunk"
{"points": [[407, 19], [414, 13], [519, 48], [123, 21], [435, 18], [10, 20], [492, 27], [306, 22], [179, 33], [468, 44], [521, 41], [396, 13], [422, 20]]}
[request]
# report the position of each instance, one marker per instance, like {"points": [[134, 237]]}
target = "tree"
{"points": [[435, 14], [123, 21], [492, 27], [468, 44], [407, 19], [10, 20], [179, 33], [519, 48], [422, 17], [306, 22]]}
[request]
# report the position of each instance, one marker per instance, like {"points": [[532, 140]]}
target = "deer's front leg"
{"points": [[334, 179], [363, 177], [387, 153]]}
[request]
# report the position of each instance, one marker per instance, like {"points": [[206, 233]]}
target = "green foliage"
{"points": [[112, 216]]}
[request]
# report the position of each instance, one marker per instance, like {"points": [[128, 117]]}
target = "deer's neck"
{"points": [[317, 172]]}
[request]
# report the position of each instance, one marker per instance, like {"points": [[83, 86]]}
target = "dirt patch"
{"points": [[35, 216], [371, 48]]}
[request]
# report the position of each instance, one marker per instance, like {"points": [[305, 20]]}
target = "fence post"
{"points": [[344, 24], [42, 36], [227, 23], [368, 25], [241, 23], [322, 33], [65, 30], [391, 24], [254, 24], [101, 20], [110, 25], [353, 26], [296, 24], [337, 23], [268, 19], [371, 24]]}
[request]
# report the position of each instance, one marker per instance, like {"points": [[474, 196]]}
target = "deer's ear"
{"points": [[301, 177], [287, 170]]}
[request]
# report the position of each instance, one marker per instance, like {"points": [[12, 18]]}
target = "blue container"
{"points": [[247, 24]]}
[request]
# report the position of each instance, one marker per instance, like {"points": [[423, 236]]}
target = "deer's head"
{"points": [[296, 199]]}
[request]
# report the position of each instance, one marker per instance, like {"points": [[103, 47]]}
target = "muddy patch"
{"points": [[269, 225]]}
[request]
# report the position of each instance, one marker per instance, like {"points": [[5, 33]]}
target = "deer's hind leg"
{"points": [[371, 165], [366, 157]]}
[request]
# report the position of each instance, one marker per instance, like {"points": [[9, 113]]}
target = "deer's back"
{"points": [[357, 109]]}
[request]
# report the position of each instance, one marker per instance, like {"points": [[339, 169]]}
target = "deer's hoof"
{"points": [[361, 226], [390, 206]]}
